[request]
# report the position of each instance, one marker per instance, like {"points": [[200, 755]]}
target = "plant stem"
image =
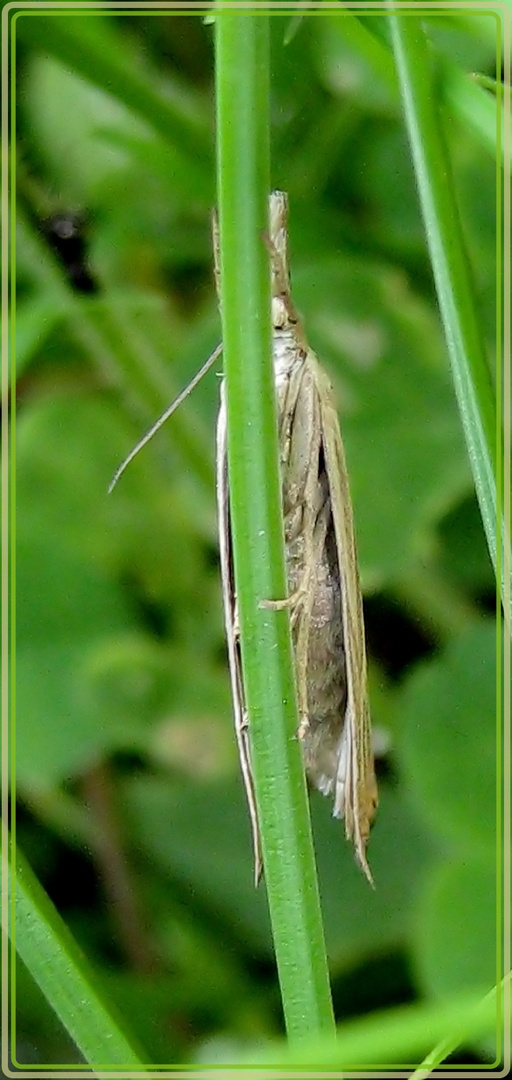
{"points": [[62, 973], [242, 83], [471, 376]]}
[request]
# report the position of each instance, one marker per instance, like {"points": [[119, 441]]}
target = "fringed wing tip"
{"points": [[360, 850], [357, 830]]}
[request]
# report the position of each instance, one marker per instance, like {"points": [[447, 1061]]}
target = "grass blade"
{"points": [[470, 371], [243, 181], [60, 970]]}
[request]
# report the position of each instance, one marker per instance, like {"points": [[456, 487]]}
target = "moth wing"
{"points": [[356, 790], [232, 637]]}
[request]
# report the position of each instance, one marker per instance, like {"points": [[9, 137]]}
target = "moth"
{"points": [[324, 596]]}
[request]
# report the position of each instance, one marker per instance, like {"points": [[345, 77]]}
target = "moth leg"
{"points": [[290, 601], [231, 618], [244, 723], [299, 603]]}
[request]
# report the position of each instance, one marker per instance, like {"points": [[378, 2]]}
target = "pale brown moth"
{"points": [[323, 580]]}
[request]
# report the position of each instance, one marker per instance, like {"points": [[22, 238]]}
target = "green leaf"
{"points": [[456, 940], [96, 52], [493, 1000], [213, 864], [396, 1037], [89, 677], [93, 143], [62, 973], [448, 746], [35, 322]]}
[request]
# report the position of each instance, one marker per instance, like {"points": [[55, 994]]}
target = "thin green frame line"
{"points": [[12, 524], [499, 493], [501, 532], [6, 548], [500, 973], [412, 104], [96, 12]]}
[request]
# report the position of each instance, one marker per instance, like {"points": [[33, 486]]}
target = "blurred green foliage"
{"points": [[130, 803]]}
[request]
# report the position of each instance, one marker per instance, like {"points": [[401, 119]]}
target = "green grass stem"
{"points": [[242, 80], [457, 303], [62, 973]]}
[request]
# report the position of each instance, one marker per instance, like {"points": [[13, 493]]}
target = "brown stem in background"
{"points": [[114, 870]]}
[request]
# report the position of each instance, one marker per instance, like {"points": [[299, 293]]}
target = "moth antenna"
{"points": [[165, 416]]}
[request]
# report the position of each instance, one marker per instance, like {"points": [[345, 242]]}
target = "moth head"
{"points": [[276, 240]]}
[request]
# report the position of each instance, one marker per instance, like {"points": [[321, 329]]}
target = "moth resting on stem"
{"points": [[323, 580]]}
